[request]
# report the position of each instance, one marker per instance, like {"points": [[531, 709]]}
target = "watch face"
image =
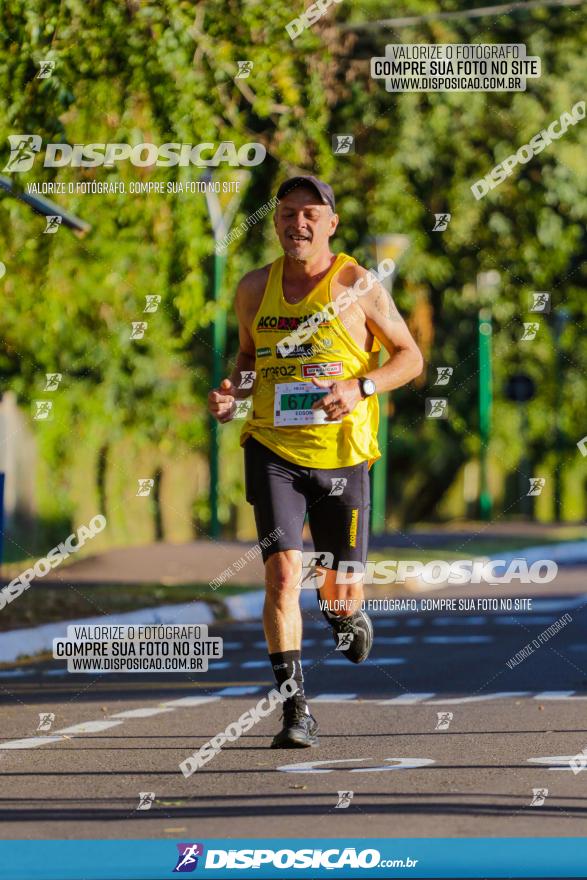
{"points": [[368, 387]]}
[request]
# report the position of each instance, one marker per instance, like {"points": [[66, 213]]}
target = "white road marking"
{"points": [[406, 699], [89, 727], [31, 743], [525, 620], [145, 712], [333, 698], [398, 764], [190, 701], [560, 762], [501, 695], [556, 695], [256, 664]]}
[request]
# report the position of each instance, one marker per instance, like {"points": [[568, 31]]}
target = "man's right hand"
{"points": [[222, 401]]}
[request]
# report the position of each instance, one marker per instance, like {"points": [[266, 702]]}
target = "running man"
{"points": [[308, 448]]}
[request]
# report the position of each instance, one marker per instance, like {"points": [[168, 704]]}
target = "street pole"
{"points": [[561, 318], [221, 222], [485, 405], [487, 284], [387, 247]]}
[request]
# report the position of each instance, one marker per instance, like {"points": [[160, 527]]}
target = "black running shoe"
{"points": [[358, 629], [299, 727]]}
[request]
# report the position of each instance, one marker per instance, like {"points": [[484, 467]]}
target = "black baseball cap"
{"points": [[323, 189]]}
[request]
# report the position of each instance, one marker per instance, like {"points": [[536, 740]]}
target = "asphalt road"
{"points": [[380, 736]]}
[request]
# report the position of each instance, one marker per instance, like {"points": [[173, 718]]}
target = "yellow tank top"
{"points": [[330, 352]]}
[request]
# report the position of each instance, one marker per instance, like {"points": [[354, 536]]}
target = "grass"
{"points": [[47, 604]]}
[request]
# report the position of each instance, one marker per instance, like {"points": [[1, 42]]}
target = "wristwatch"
{"points": [[367, 387]]}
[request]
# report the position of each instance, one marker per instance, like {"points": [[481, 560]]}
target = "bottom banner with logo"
{"points": [[286, 858]]}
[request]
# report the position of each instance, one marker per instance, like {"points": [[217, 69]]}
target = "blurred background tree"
{"points": [[140, 71]]}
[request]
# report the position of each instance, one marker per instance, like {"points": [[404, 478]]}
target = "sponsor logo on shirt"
{"points": [[281, 322], [332, 369], [263, 352]]}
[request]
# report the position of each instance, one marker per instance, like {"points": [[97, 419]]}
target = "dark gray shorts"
{"points": [[283, 493]]}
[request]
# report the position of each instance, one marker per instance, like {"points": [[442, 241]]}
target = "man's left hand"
{"points": [[341, 400]]}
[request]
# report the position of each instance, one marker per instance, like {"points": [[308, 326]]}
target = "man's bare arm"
{"points": [[221, 401], [389, 328]]}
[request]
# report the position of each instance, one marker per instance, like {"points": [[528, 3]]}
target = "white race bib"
{"points": [[293, 404]]}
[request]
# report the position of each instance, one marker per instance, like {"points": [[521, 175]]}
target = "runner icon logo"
{"points": [[46, 719], [187, 860], [345, 640], [146, 798], [338, 484], [344, 800], [537, 484], [540, 302], [312, 563], [443, 375], [444, 719], [441, 222], [53, 223], [539, 796]]}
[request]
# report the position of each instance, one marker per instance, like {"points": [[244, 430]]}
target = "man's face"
{"points": [[304, 224]]}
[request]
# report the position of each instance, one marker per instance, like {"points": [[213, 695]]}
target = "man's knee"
{"points": [[283, 571]]}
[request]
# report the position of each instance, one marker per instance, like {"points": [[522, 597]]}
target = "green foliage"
{"points": [[139, 71]]}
